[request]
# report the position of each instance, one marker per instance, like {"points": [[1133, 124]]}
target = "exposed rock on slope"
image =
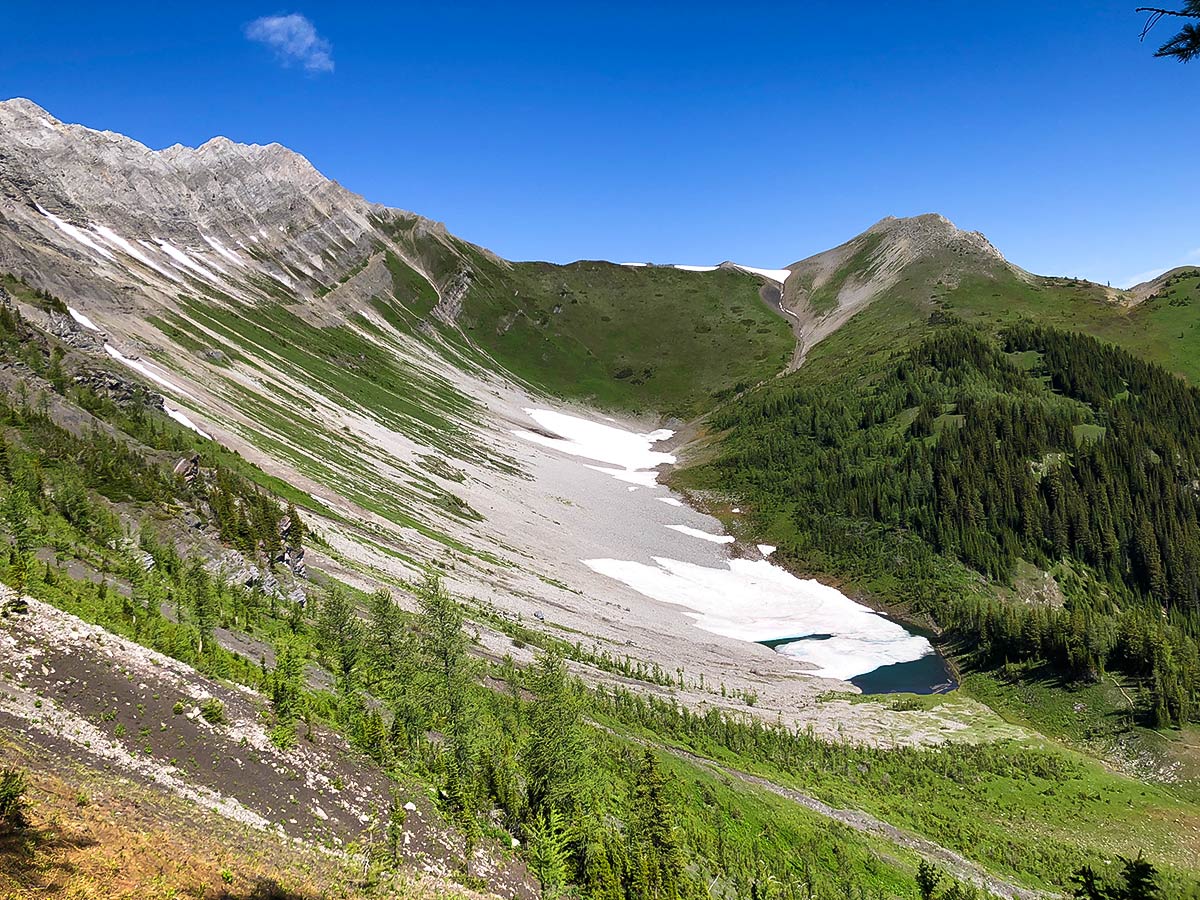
{"points": [[76, 690], [1139, 293], [826, 290], [133, 224]]}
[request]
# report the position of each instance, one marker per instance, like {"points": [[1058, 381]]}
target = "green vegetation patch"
{"points": [[1087, 454], [638, 338]]}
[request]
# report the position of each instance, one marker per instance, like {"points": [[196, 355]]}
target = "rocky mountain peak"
{"points": [[827, 289], [22, 106], [916, 236]]}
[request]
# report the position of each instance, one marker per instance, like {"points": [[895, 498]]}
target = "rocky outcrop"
{"points": [[293, 558], [450, 300], [70, 333], [188, 468], [292, 554], [122, 391], [236, 569]]}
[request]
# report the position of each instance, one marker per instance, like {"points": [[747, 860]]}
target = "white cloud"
{"points": [[294, 40]]}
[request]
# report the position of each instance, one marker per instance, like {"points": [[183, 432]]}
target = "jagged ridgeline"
{"points": [[296, 584]]}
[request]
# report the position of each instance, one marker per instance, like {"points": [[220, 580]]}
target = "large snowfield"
{"points": [[753, 600], [749, 600]]}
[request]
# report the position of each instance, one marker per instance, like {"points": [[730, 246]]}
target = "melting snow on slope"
{"points": [[223, 250], [703, 535], [120, 243], [186, 261], [627, 450], [766, 549], [183, 420], [76, 234], [82, 319], [144, 369], [780, 275], [752, 600], [636, 477]]}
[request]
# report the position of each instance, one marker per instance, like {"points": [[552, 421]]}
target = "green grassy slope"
{"points": [[1164, 329], [636, 338], [1030, 811]]}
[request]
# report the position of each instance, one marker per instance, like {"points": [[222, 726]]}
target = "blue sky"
{"points": [[672, 132]]}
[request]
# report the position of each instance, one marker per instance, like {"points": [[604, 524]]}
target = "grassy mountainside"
{"points": [[646, 339], [1164, 328], [640, 338], [1158, 322], [957, 449]]}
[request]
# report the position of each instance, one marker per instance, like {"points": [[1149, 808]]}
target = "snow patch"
{"points": [[780, 275], [670, 501], [185, 261], [703, 535], [183, 420], [603, 443], [223, 250], [753, 600], [144, 369], [76, 234], [282, 279], [640, 478], [82, 319], [766, 549], [121, 244]]}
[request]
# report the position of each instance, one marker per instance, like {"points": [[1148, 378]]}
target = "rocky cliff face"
{"points": [[97, 214]]}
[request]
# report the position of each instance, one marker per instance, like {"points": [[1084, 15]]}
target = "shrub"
{"points": [[283, 736], [213, 711], [12, 799]]}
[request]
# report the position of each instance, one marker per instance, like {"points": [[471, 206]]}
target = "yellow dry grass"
{"points": [[92, 837]]}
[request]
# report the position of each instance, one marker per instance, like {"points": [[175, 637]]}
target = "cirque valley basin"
{"points": [[659, 547]]}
